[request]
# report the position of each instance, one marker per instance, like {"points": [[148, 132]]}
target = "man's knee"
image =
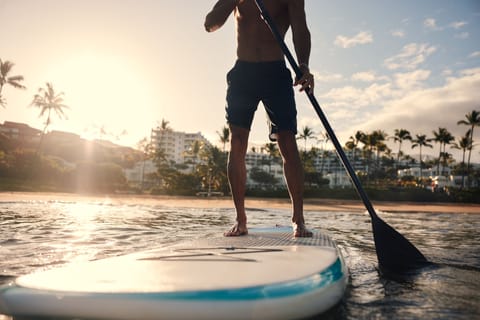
{"points": [[287, 143], [238, 132], [238, 138]]}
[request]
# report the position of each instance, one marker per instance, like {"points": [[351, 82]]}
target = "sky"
{"points": [[126, 65]]}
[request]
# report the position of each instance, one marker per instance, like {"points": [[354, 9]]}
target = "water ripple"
{"points": [[43, 234]]}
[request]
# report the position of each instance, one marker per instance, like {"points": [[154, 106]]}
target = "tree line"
{"points": [[205, 169], [206, 166], [374, 144]]}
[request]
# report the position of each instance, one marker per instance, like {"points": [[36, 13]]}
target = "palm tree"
{"points": [[160, 156], [368, 147], [374, 144], [464, 144], [400, 136], [307, 133], [351, 145], [443, 137], [324, 138], [224, 136], [272, 150], [146, 148], [160, 131], [473, 120], [212, 170], [163, 126], [421, 141], [48, 100], [163, 165], [194, 152], [273, 154], [14, 81], [353, 142]]}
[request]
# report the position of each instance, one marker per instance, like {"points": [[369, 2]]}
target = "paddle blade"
{"points": [[395, 253]]}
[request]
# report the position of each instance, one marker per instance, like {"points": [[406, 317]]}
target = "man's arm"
{"points": [[301, 41], [300, 32], [219, 14]]}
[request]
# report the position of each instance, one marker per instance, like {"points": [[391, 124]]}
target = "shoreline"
{"points": [[226, 202]]}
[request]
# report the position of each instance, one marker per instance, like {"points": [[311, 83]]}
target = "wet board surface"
{"points": [[265, 275]]}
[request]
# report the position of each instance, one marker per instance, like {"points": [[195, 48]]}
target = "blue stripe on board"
{"points": [[280, 290]]}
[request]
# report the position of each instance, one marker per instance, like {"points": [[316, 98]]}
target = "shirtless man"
{"points": [[260, 74]]}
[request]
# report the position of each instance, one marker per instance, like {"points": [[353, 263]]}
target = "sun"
{"points": [[109, 96]]}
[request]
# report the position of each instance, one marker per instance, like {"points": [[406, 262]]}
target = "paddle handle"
{"points": [[343, 157]]}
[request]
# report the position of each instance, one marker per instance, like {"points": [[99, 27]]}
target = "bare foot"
{"points": [[236, 231], [301, 231]]}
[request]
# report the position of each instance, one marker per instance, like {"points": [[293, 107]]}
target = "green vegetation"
{"points": [[75, 165], [59, 161]]}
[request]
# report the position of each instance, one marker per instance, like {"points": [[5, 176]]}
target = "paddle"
{"points": [[394, 252]]}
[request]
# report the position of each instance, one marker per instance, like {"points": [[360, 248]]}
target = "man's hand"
{"points": [[307, 81]]}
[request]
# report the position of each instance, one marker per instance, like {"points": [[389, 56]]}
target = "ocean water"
{"points": [[42, 234]]}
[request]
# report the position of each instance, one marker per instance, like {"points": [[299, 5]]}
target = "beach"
{"points": [[254, 203]]}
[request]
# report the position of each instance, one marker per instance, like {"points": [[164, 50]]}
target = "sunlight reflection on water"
{"points": [[44, 234]]}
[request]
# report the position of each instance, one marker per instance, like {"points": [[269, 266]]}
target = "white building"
{"points": [[339, 178], [176, 145], [326, 164], [426, 173], [266, 163], [140, 171]]}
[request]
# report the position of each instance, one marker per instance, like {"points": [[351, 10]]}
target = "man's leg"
{"points": [[293, 171], [237, 176]]}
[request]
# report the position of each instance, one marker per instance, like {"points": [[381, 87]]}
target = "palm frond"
{"points": [[14, 82], [5, 67], [47, 100]]}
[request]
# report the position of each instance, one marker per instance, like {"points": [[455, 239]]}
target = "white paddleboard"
{"points": [[265, 275]]}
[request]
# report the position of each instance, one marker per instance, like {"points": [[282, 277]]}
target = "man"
{"points": [[260, 74]]}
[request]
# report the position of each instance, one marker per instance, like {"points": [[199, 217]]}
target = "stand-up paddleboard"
{"points": [[265, 275]]}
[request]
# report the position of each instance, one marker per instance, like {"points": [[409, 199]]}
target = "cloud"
{"points": [[447, 72], [405, 102], [458, 24], [475, 54], [365, 76], [411, 80], [431, 24], [355, 97], [462, 35], [426, 109], [411, 56], [398, 33], [327, 76], [363, 37], [309, 122], [376, 93], [345, 96]]}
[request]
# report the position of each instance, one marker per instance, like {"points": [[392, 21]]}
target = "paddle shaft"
{"points": [[338, 147], [396, 255]]}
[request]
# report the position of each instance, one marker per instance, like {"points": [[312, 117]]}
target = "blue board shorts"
{"points": [[269, 82]]}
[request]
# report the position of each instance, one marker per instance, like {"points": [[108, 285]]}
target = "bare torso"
{"points": [[255, 42]]}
